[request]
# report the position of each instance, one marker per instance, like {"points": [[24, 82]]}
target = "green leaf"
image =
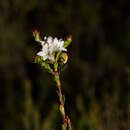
{"points": [[61, 108], [63, 98], [47, 67]]}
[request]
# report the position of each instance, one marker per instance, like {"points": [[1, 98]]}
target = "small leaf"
{"points": [[63, 98], [47, 67], [62, 110]]}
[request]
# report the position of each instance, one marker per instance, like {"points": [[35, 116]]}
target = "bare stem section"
{"points": [[65, 119]]}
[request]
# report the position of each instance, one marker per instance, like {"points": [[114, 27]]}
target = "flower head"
{"points": [[49, 47]]}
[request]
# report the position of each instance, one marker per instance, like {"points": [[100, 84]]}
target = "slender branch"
{"points": [[65, 119], [62, 109]]}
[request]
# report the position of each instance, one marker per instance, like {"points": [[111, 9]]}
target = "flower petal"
{"points": [[40, 53]]}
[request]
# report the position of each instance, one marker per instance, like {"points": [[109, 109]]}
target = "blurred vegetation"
{"points": [[96, 80]]}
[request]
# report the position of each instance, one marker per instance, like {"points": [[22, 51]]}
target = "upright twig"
{"points": [[65, 119], [54, 53], [61, 107]]}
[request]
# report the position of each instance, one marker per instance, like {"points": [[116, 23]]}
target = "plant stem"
{"points": [[65, 119], [59, 91]]}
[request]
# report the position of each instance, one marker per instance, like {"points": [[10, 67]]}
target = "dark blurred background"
{"points": [[96, 79]]}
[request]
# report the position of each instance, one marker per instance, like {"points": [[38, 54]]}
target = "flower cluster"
{"points": [[52, 55], [49, 47]]}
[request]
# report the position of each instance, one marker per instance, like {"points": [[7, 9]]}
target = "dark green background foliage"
{"points": [[96, 78]]}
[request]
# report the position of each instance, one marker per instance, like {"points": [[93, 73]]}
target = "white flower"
{"points": [[49, 47]]}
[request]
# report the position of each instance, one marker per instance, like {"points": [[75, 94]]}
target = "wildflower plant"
{"points": [[52, 57]]}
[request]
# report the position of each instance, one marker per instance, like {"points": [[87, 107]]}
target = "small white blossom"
{"points": [[50, 46]]}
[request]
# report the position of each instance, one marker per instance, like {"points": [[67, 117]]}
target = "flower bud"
{"points": [[36, 59], [69, 38], [64, 57], [36, 36], [68, 41]]}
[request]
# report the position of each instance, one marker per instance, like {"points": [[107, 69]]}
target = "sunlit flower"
{"points": [[49, 47]]}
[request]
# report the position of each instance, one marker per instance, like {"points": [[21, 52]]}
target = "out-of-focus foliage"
{"points": [[97, 79]]}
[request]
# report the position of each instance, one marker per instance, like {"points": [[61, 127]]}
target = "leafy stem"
{"points": [[65, 119]]}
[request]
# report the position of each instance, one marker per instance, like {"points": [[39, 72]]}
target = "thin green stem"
{"points": [[61, 108], [65, 119]]}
